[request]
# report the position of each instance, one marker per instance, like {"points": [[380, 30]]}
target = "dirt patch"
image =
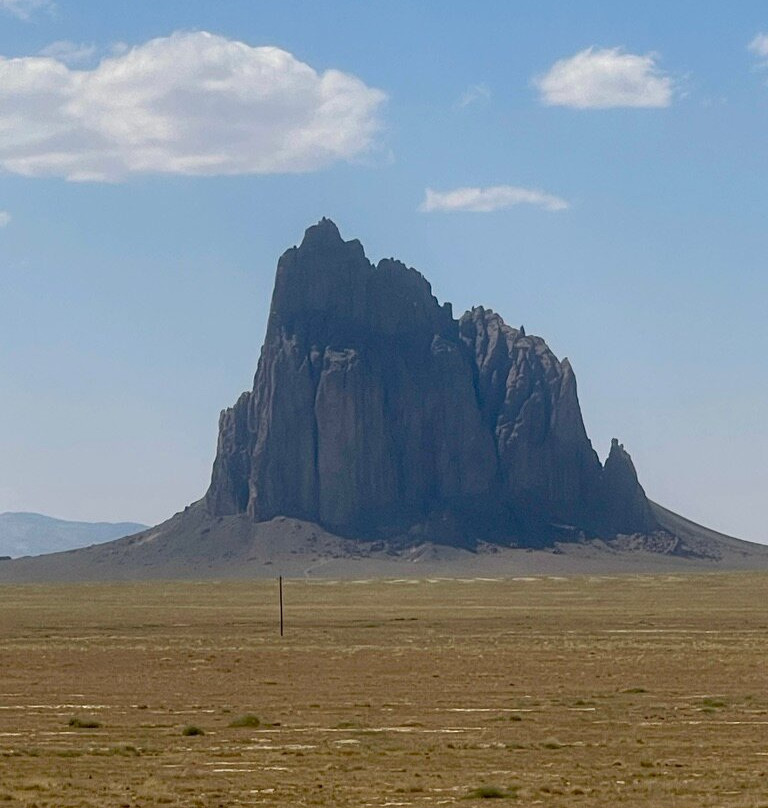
{"points": [[638, 691]]}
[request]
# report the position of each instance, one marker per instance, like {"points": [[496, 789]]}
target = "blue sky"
{"points": [[599, 173]]}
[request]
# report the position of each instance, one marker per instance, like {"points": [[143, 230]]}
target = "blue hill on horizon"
{"points": [[30, 534]]}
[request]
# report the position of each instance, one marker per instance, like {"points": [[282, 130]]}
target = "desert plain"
{"points": [[643, 690]]}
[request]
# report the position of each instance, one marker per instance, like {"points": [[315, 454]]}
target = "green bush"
{"points": [[192, 730], [487, 793], [83, 723]]}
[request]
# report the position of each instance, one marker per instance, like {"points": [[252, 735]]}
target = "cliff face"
{"points": [[375, 413]]}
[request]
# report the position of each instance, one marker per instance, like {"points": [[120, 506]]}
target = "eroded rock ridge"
{"points": [[377, 414]]}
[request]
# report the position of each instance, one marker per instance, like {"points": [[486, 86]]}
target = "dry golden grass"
{"points": [[644, 691]]}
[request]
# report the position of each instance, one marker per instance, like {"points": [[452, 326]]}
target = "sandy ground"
{"points": [[193, 545], [557, 691]]}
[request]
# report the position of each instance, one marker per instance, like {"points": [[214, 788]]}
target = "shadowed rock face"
{"points": [[626, 509], [375, 413], [528, 400]]}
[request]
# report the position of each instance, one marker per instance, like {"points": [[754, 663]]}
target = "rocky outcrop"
{"points": [[547, 467], [375, 413], [625, 506]]}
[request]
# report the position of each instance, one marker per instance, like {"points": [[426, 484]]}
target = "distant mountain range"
{"points": [[31, 534]]}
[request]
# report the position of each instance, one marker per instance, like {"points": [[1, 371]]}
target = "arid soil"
{"points": [[554, 691], [194, 546]]}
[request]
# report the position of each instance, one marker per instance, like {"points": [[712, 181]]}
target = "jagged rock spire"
{"points": [[375, 413], [626, 508]]}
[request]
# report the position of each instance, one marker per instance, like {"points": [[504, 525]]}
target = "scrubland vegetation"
{"points": [[634, 691]]}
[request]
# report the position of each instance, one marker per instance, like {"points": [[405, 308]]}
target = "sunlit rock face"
{"points": [[378, 415]]}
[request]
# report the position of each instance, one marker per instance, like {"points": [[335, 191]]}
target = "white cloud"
{"points": [[69, 52], [24, 9], [485, 200], [759, 46], [473, 94], [192, 103], [5, 218], [600, 79]]}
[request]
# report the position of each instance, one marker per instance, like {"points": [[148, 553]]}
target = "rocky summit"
{"points": [[383, 436], [376, 414]]}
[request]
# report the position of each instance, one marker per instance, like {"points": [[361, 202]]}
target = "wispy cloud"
{"points": [[759, 46], [24, 9], [5, 218], [601, 79], [192, 103], [474, 94], [486, 200], [70, 53]]}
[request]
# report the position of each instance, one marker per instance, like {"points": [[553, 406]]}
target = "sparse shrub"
{"points": [[487, 793], [191, 730], [552, 743], [83, 723], [126, 750], [247, 720]]}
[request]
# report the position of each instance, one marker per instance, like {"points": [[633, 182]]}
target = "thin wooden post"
{"points": [[280, 581]]}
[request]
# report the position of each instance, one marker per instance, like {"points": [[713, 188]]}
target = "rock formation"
{"points": [[376, 414]]}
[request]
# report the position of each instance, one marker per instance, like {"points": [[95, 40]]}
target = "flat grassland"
{"points": [[595, 691]]}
